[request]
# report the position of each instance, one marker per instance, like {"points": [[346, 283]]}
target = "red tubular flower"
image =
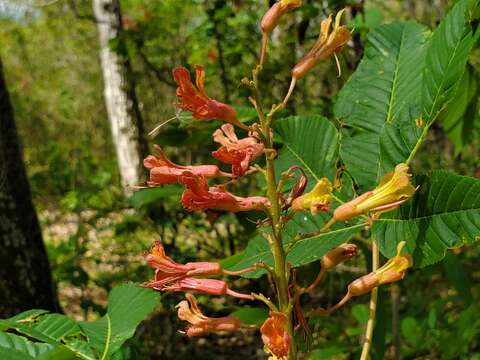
{"points": [[167, 271], [196, 100], [163, 171], [235, 152], [200, 324], [172, 276], [206, 286], [198, 196], [275, 335]]}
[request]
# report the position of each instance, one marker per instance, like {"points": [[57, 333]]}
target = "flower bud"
{"points": [[272, 16], [337, 255], [316, 200], [271, 19], [394, 189]]}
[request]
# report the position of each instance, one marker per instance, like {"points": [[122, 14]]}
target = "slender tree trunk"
{"points": [[25, 278], [120, 98], [211, 13]]}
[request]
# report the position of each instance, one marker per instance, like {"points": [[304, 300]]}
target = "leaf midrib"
{"points": [[309, 169], [395, 77], [430, 120], [333, 232], [109, 337], [447, 213]]}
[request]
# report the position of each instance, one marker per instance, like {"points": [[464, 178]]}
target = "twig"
{"points": [[367, 342]]}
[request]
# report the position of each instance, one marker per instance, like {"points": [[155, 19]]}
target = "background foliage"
{"points": [[426, 76]]}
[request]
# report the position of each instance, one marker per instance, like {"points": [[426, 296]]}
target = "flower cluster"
{"points": [[238, 153]]}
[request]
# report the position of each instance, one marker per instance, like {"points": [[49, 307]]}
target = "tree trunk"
{"points": [[25, 278], [120, 99]]}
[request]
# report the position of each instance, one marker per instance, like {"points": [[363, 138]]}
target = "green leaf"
{"points": [[25, 346], [304, 251], [251, 315], [380, 102], [458, 118], [14, 346], [13, 354], [443, 214], [53, 329], [128, 305], [310, 142], [445, 62]]}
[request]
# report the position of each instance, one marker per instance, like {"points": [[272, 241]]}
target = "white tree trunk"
{"points": [[122, 107]]}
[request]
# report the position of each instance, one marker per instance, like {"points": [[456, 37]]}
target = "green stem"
{"points": [[367, 342], [280, 268], [418, 144]]}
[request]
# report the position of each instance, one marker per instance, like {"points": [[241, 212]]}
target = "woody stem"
{"points": [[279, 256], [367, 342]]}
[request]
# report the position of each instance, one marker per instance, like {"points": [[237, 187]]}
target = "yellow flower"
{"points": [[328, 44], [316, 200], [393, 270], [394, 189]]}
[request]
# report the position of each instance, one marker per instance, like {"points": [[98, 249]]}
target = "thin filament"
{"points": [[339, 68], [154, 132]]}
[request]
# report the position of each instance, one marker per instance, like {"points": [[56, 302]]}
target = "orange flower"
{"points": [[271, 19], [200, 324], [328, 44], [168, 271], [275, 335], [196, 100], [198, 196], [163, 171], [316, 200], [172, 276], [394, 189], [235, 152]]}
